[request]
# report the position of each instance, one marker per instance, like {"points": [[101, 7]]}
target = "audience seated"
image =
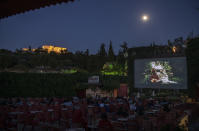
{"points": [[81, 113], [104, 123]]}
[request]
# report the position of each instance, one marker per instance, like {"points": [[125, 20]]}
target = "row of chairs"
{"points": [[56, 118]]}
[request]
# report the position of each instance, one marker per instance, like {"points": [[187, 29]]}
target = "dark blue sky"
{"points": [[88, 23]]}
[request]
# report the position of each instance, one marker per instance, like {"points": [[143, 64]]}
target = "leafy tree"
{"points": [[193, 64], [111, 55], [124, 47], [102, 57], [178, 41], [7, 59], [122, 57], [169, 43], [5, 52], [86, 52], [79, 59], [121, 61], [94, 64], [102, 51], [79, 53], [29, 48]]}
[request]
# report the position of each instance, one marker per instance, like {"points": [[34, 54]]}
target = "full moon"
{"points": [[145, 18]]}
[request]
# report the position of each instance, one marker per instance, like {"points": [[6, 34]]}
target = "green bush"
{"points": [[50, 84]]}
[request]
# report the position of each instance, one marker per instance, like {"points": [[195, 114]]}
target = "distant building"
{"points": [[157, 51], [48, 48], [25, 49], [55, 49]]}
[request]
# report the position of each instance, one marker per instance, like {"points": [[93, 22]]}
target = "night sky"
{"points": [[88, 23]]}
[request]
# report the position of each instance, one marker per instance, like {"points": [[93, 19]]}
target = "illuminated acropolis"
{"points": [[48, 48], [55, 49]]}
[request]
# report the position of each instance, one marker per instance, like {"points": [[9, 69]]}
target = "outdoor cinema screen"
{"points": [[170, 73]]}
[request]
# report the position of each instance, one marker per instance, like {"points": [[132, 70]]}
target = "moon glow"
{"points": [[145, 18]]}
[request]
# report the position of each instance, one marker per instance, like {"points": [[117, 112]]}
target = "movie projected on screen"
{"points": [[170, 73]]}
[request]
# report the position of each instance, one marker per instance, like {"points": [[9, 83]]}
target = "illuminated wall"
{"points": [[51, 48], [48, 48], [25, 49]]}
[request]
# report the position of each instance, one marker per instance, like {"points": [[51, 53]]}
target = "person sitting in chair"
{"points": [[104, 123]]}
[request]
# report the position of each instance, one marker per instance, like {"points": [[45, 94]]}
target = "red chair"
{"points": [[118, 126], [96, 109], [103, 110], [64, 121], [11, 125], [48, 117], [70, 113], [2, 121], [147, 125], [56, 117], [112, 108], [133, 127], [27, 120]]}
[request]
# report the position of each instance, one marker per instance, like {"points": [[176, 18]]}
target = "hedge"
{"points": [[50, 84]]}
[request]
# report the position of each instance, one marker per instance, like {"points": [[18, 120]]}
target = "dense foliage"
{"points": [[48, 84], [40, 73], [42, 61], [192, 53], [71, 66]]}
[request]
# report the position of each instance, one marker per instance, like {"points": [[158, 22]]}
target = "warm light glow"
{"points": [[25, 49], [145, 18], [55, 49], [174, 49], [48, 48]]}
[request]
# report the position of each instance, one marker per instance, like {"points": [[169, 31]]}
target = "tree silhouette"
{"points": [[111, 55], [102, 51], [102, 57], [122, 56], [87, 52], [29, 48], [178, 41], [121, 60], [193, 64], [124, 48], [169, 43]]}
